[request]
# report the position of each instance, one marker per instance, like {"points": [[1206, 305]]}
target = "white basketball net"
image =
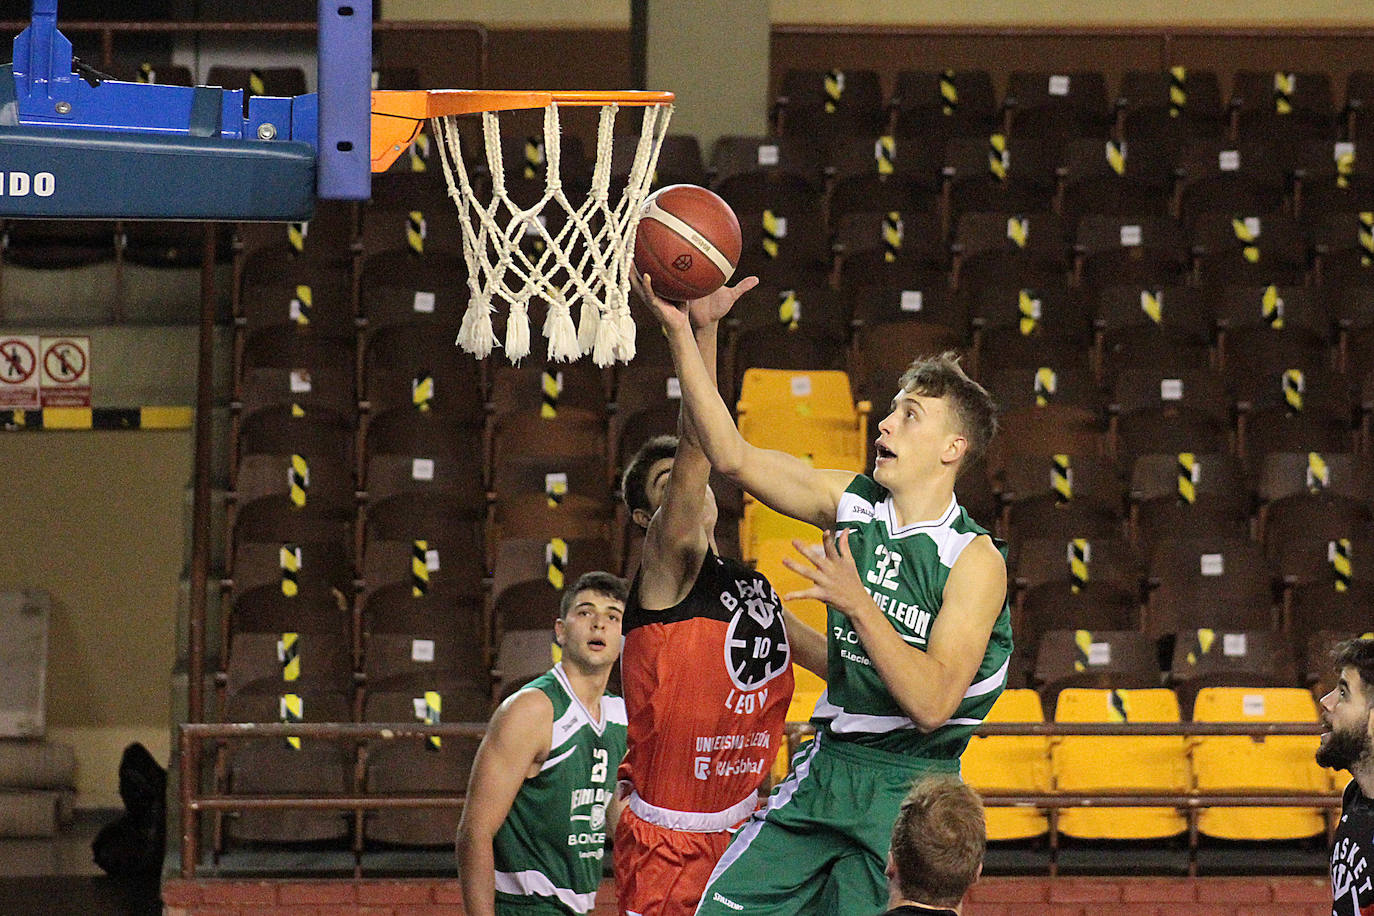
{"points": [[587, 262]]}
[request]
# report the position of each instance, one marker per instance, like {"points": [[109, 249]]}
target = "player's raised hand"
{"points": [[716, 306], [833, 571], [670, 314]]}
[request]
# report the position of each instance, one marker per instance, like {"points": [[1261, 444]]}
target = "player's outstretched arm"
{"points": [[928, 685], [808, 645], [516, 743], [676, 541], [781, 481]]}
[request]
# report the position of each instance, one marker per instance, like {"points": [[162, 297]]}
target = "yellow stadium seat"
{"points": [[1011, 764], [1090, 764], [768, 557], [807, 690], [810, 414], [760, 523], [1243, 764]]}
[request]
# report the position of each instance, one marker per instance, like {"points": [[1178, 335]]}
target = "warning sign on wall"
{"points": [[65, 364], [19, 373]]}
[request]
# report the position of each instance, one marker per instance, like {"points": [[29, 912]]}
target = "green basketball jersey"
{"points": [[552, 842], [904, 570]]}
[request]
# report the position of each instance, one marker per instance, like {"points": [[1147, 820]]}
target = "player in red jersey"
{"points": [[706, 672]]}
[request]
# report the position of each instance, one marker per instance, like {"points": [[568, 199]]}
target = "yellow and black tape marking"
{"points": [[885, 152], [1339, 553], [296, 234], [1028, 305], [1249, 240], [289, 655], [422, 390], [419, 152], [297, 411], [1284, 84], [419, 569], [789, 309], [1061, 478], [834, 90], [292, 710], [298, 480], [1082, 643], [894, 230], [256, 85], [1119, 708], [534, 157], [432, 705], [1178, 90], [290, 558], [555, 489], [1318, 472], [1271, 307], [146, 73], [999, 157], [551, 386], [773, 233], [1345, 164], [1152, 304], [1366, 238], [74, 418], [303, 305], [1080, 555], [1116, 156], [556, 559], [1187, 477], [1294, 385], [949, 93], [1046, 384], [416, 231], [1202, 644], [1018, 230]]}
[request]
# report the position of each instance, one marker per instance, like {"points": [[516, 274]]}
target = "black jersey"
{"points": [[1352, 856]]}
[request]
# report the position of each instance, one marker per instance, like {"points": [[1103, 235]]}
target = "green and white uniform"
{"points": [[550, 848], [821, 844]]}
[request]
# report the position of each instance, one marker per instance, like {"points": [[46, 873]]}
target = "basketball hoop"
{"points": [[584, 261]]}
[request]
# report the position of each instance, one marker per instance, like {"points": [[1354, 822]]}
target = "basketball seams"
{"points": [[653, 211]]}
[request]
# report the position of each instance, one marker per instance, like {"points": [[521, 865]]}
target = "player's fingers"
{"points": [[842, 545], [810, 572], [813, 552], [743, 286], [811, 594]]}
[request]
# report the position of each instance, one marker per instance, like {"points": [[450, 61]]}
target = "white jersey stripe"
{"points": [[537, 884], [989, 683], [555, 761], [843, 723]]}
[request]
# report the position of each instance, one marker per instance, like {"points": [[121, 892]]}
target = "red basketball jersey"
{"points": [[707, 685]]}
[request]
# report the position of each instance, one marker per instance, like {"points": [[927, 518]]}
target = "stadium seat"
{"points": [[820, 104], [1169, 326], [806, 414], [992, 174], [1178, 102], [903, 248], [1215, 658], [1244, 764], [416, 368], [1223, 176], [529, 576], [1013, 764], [1188, 494], [943, 103], [1096, 659], [1066, 561], [1090, 764], [1214, 582]]}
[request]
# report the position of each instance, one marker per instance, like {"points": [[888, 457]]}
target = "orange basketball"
{"points": [[688, 242]]}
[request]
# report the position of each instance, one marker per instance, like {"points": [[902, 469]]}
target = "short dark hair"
{"points": [[603, 583], [938, 841], [942, 377], [1357, 654], [636, 476]]}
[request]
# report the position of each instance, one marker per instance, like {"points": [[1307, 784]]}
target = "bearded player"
{"points": [[1348, 744], [706, 671], [919, 633]]}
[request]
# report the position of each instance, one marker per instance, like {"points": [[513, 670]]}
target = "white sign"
{"points": [[66, 371], [19, 373]]}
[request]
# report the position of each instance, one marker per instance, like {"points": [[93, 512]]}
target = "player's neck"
{"points": [[1363, 773], [922, 501], [588, 684]]}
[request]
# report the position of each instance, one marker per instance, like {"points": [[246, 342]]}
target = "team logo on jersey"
{"points": [[756, 649]]}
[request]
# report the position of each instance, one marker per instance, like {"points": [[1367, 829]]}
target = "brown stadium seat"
{"points": [[906, 249], [1179, 102], [1333, 178], [1152, 324], [1224, 176], [1009, 246], [316, 389], [1063, 379], [1161, 409], [555, 392], [930, 302], [434, 636], [882, 350], [1236, 246], [784, 238], [1040, 560], [313, 301], [417, 368], [679, 162], [882, 175], [399, 287], [991, 173], [290, 660], [944, 103], [1098, 659], [746, 167], [833, 102], [293, 567], [310, 484], [1224, 658], [1188, 494], [530, 574], [425, 766], [1214, 582], [1135, 247], [1098, 605], [1060, 495], [288, 766], [647, 404], [410, 212], [1341, 243], [1306, 559], [1317, 495], [271, 249], [451, 552], [296, 429], [1286, 107], [522, 656]]}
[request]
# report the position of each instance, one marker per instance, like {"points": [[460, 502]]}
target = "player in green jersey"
{"points": [[918, 637], [541, 797]]}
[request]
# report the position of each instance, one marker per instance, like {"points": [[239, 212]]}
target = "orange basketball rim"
{"points": [[398, 115]]}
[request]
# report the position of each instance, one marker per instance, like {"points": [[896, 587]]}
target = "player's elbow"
{"points": [[932, 712]]}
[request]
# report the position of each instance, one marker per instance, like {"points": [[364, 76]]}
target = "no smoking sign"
{"points": [[19, 373], [66, 371]]}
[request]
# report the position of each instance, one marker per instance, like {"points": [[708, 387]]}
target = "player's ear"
{"points": [[558, 631], [890, 870], [641, 517], [955, 447]]}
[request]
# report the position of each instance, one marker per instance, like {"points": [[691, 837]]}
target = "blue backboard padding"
{"points": [[72, 173]]}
